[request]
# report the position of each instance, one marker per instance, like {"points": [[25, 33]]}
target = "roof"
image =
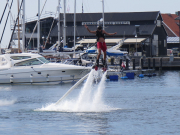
{"points": [[173, 40], [95, 40], [122, 30], [87, 41], [171, 25], [115, 16], [134, 40]]}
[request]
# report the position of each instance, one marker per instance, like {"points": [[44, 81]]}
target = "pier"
{"points": [[161, 63], [156, 63]]}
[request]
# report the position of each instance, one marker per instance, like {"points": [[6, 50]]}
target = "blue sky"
{"points": [[164, 6]]}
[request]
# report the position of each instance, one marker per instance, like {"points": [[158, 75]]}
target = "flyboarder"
{"points": [[101, 45]]}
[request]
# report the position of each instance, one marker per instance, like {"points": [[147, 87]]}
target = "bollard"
{"points": [[112, 61], [149, 63], [154, 64], [133, 64], [127, 64], [142, 61]]}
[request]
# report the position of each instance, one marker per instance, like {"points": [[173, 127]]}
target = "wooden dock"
{"points": [[162, 63]]}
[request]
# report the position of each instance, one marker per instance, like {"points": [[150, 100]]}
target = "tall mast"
{"points": [[82, 8], [64, 39], [18, 29], [103, 13], [38, 30], [74, 25], [59, 38], [23, 28]]}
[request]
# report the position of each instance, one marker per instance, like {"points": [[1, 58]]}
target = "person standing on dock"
{"points": [[101, 45]]}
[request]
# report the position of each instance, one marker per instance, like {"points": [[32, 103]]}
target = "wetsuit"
{"points": [[101, 45]]}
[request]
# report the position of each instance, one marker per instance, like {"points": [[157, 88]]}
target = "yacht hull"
{"points": [[34, 68], [34, 75]]}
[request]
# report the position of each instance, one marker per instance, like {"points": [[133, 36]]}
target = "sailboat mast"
{"points": [[38, 34], [59, 38], [23, 29], [64, 39], [18, 29], [103, 13], [74, 25]]}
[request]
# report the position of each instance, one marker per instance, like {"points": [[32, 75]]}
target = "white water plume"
{"points": [[5, 102], [89, 99]]}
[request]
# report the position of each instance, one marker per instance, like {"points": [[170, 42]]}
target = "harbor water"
{"points": [[139, 106]]}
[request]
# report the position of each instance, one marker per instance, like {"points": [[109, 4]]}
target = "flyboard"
{"points": [[100, 67], [73, 87]]}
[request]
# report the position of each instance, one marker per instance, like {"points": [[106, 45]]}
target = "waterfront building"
{"points": [[171, 24], [143, 32]]}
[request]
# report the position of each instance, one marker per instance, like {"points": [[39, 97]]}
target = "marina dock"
{"points": [[157, 63]]}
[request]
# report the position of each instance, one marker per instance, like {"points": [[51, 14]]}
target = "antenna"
{"points": [[82, 7]]}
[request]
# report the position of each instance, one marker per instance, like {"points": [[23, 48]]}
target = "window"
{"points": [[165, 43], [158, 23], [20, 57], [43, 60], [3, 62], [29, 62]]}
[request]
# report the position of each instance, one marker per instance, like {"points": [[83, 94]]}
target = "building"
{"points": [[31, 32], [143, 31], [150, 29], [171, 24]]}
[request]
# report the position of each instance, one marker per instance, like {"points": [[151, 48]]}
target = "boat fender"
{"points": [[31, 78], [47, 77], [124, 77], [11, 79], [141, 76]]}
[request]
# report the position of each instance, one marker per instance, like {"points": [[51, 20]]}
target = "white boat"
{"points": [[115, 50], [34, 68]]}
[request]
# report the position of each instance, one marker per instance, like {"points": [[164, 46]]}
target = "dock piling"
{"points": [[112, 61], [142, 61], [160, 64], [149, 63], [154, 63], [120, 62], [133, 64], [127, 64]]}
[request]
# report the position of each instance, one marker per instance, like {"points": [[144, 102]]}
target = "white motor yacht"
{"points": [[34, 68]]}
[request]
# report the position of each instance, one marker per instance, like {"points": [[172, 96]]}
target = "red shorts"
{"points": [[102, 46]]}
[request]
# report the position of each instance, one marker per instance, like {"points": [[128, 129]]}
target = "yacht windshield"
{"points": [[43, 60], [20, 57], [29, 62]]}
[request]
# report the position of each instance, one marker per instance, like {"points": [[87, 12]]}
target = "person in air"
{"points": [[101, 45]]}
